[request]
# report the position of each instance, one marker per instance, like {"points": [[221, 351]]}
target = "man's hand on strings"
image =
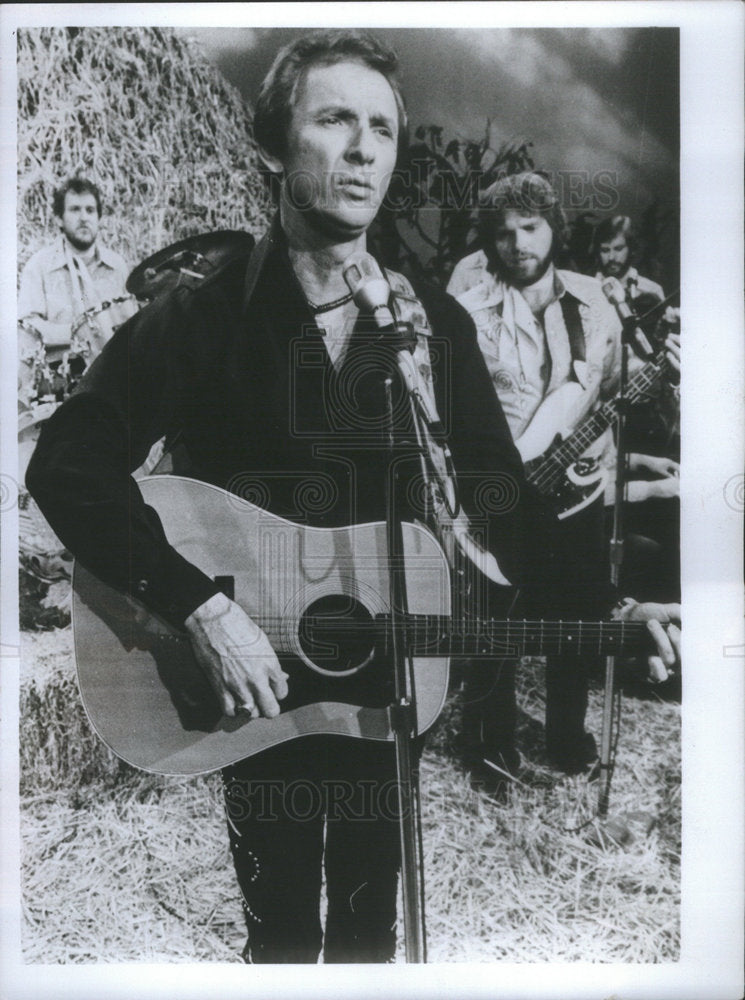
{"points": [[237, 658], [663, 622]]}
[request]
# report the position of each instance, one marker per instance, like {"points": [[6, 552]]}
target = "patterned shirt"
{"points": [[528, 359]]}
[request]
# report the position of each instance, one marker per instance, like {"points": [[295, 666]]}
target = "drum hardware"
{"points": [[187, 262]]}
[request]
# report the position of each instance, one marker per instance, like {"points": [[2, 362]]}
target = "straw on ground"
{"points": [[126, 867]]}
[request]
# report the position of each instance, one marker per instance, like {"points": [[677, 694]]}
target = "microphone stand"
{"points": [[616, 562], [402, 712], [371, 293], [618, 829]]}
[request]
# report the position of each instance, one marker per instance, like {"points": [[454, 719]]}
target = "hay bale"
{"points": [[143, 114], [58, 749]]}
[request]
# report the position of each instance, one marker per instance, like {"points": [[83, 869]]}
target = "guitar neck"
{"points": [[551, 470], [430, 635]]}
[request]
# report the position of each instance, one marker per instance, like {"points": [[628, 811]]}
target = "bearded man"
{"points": [[75, 273], [546, 335]]}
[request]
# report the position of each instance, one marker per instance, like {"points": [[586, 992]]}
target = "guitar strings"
{"points": [[547, 474], [489, 634]]}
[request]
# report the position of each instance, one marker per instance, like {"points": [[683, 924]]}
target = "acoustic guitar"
{"points": [[321, 596]]}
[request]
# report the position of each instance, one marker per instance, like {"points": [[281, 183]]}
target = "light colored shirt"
{"points": [[527, 359], [52, 299]]}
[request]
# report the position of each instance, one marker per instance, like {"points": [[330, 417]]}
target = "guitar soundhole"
{"points": [[337, 635]]}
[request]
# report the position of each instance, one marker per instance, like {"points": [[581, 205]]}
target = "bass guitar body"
{"points": [[149, 701], [554, 453], [576, 488], [555, 418], [583, 482]]}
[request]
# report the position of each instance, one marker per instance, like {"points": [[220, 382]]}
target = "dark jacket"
{"points": [[247, 389]]}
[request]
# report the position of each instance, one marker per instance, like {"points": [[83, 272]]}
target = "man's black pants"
{"points": [[490, 707], [317, 804]]}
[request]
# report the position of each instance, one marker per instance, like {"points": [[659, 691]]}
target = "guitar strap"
{"points": [[407, 309], [576, 335], [446, 516]]}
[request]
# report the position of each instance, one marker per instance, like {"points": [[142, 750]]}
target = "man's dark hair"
{"points": [[528, 193], [615, 225], [273, 110], [78, 185]]}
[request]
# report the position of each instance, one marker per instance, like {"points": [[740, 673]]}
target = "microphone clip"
{"points": [[631, 332], [399, 336]]}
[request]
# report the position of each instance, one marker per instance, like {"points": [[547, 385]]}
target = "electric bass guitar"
{"points": [[560, 472], [321, 596]]}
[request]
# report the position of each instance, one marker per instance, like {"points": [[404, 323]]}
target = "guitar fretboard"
{"points": [[443, 636], [551, 470]]}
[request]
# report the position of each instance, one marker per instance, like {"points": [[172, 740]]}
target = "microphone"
{"points": [[632, 334], [370, 290], [372, 295]]}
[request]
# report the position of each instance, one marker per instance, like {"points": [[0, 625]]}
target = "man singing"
{"points": [[219, 368]]}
